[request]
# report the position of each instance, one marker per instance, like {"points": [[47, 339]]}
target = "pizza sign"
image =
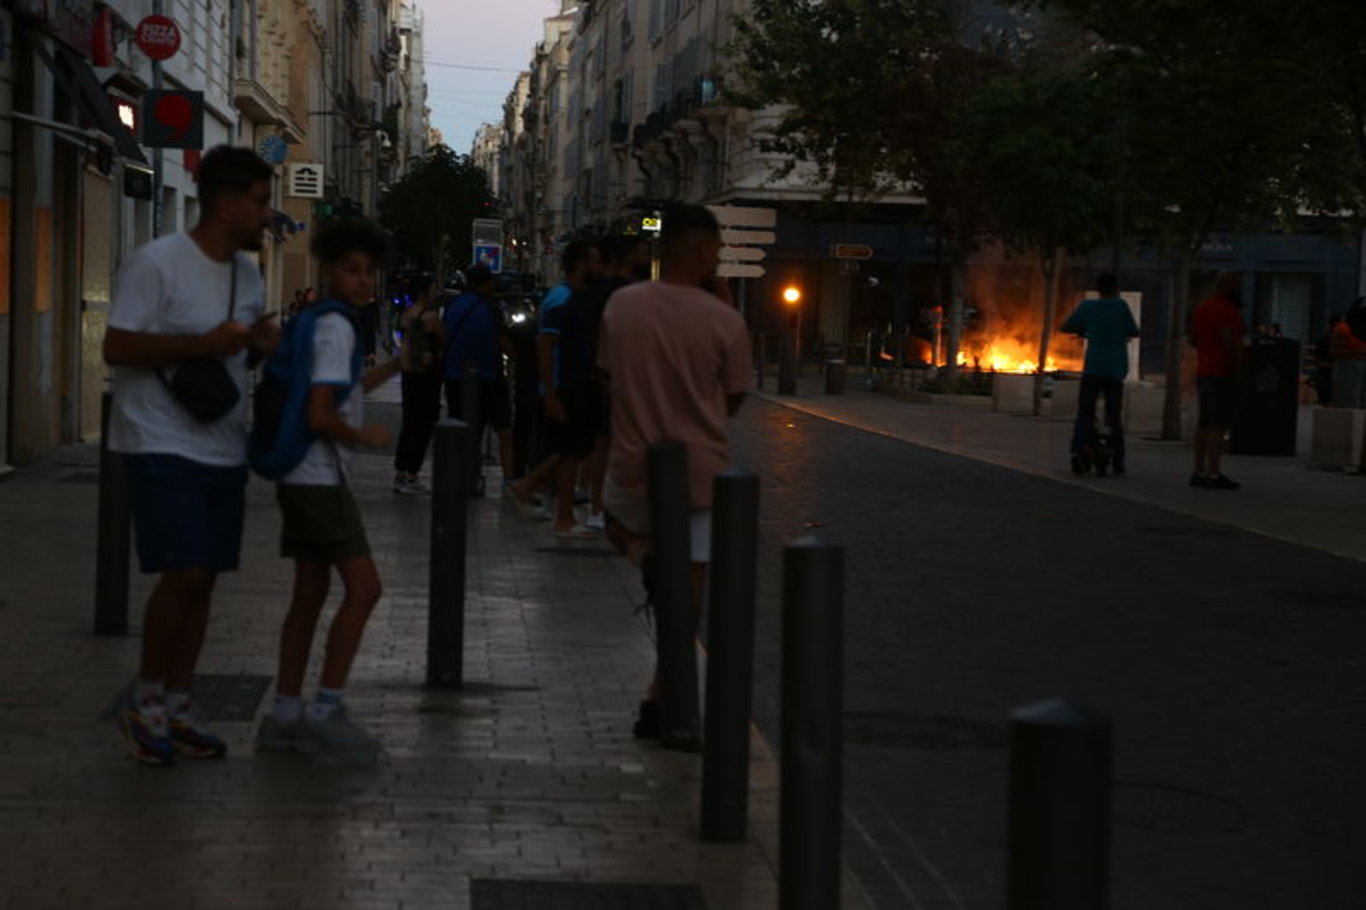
{"points": [[158, 37]]}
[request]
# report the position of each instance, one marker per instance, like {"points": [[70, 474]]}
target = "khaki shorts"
{"points": [[633, 513], [321, 523]]}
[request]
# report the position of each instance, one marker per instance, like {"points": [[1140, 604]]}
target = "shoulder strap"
{"points": [[232, 288]]}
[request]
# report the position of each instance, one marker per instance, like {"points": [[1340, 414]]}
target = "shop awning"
{"points": [[77, 78]]}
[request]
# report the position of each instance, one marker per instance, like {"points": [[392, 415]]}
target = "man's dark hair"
{"points": [[617, 248], [575, 254], [1107, 286], [476, 276], [685, 225], [336, 239], [229, 169]]}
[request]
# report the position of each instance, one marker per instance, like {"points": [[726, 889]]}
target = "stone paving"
{"points": [[528, 773]]}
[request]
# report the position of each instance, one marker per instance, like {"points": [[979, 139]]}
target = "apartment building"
{"points": [[329, 83]]}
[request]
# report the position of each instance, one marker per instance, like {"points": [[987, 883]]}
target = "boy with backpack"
{"points": [[309, 421]]}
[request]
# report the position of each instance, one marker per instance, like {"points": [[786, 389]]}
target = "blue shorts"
{"points": [[186, 515]]}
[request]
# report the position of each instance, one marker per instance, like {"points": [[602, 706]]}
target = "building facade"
{"points": [[328, 83]]}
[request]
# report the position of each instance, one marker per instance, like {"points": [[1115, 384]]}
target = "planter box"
{"points": [[1336, 441]]}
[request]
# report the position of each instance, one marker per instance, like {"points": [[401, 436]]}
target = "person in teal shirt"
{"points": [[1107, 325]]}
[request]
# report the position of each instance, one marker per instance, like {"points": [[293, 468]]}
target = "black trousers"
{"points": [[421, 410], [1092, 388]]}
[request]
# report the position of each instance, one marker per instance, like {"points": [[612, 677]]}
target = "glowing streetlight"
{"points": [[792, 295]]}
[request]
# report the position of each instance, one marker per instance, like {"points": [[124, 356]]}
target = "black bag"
{"points": [[203, 386]]}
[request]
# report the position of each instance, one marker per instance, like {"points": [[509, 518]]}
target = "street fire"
{"points": [[1003, 336]]}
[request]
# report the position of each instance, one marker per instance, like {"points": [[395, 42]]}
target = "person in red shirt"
{"points": [[1217, 334], [1348, 355]]}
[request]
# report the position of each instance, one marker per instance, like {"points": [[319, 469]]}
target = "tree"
{"points": [[1214, 122], [865, 93], [1047, 159], [431, 210]]}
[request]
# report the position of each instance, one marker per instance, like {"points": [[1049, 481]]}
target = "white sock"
{"points": [[288, 708], [143, 689], [324, 704], [177, 703]]}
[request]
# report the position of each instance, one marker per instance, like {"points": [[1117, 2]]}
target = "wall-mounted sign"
{"points": [[305, 181], [652, 224], [274, 149], [173, 119], [158, 37]]}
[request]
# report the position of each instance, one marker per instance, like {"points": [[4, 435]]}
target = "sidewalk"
{"points": [[529, 773], [1282, 498]]}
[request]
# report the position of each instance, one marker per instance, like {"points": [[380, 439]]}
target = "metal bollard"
{"points": [[469, 412], [787, 365], [812, 719], [836, 373], [760, 360], [1060, 774], [113, 534], [671, 590], [730, 656], [446, 578]]}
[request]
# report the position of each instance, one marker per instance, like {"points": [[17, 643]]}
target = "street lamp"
{"points": [[791, 342]]}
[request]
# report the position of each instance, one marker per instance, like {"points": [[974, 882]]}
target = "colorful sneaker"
{"points": [[338, 738], [145, 728], [274, 736], [193, 739]]}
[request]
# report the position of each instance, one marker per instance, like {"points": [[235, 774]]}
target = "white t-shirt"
{"points": [[328, 462], [171, 287]]}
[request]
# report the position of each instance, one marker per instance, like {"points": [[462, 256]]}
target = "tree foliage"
{"points": [[431, 210]]}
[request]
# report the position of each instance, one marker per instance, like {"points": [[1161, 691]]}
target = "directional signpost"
{"points": [[744, 233]]}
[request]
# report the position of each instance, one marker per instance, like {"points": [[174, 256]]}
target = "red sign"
{"points": [[158, 37], [851, 251]]}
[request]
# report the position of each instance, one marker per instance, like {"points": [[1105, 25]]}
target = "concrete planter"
{"points": [[1336, 441], [1013, 393]]}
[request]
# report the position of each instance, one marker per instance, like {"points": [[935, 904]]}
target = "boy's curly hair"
{"points": [[335, 239]]}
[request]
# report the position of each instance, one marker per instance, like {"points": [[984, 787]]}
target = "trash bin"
{"points": [[1267, 417], [836, 372]]}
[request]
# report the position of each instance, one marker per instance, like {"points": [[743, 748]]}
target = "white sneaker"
{"points": [[578, 532], [596, 521], [338, 737]]}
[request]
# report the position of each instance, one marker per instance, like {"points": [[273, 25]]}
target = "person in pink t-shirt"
{"points": [[677, 357]]}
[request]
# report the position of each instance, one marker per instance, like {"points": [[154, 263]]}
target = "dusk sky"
{"points": [[474, 52]]}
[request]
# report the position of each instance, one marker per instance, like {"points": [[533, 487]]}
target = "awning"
{"points": [[77, 78]]}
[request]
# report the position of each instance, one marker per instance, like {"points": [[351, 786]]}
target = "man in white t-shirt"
{"points": [[182, 298]]}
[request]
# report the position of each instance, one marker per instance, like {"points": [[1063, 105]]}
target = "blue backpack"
{"points": [[280, 436]]}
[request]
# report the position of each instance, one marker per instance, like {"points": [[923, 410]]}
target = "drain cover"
{"points": [[232, 697], [495, 894], [1177, 810], [914, 731]]}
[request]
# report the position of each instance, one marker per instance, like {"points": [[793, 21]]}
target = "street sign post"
{"points": [[745, 231], [490, 255]]}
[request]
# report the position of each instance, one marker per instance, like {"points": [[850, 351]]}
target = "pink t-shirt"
{"points": [[673, 354]]}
